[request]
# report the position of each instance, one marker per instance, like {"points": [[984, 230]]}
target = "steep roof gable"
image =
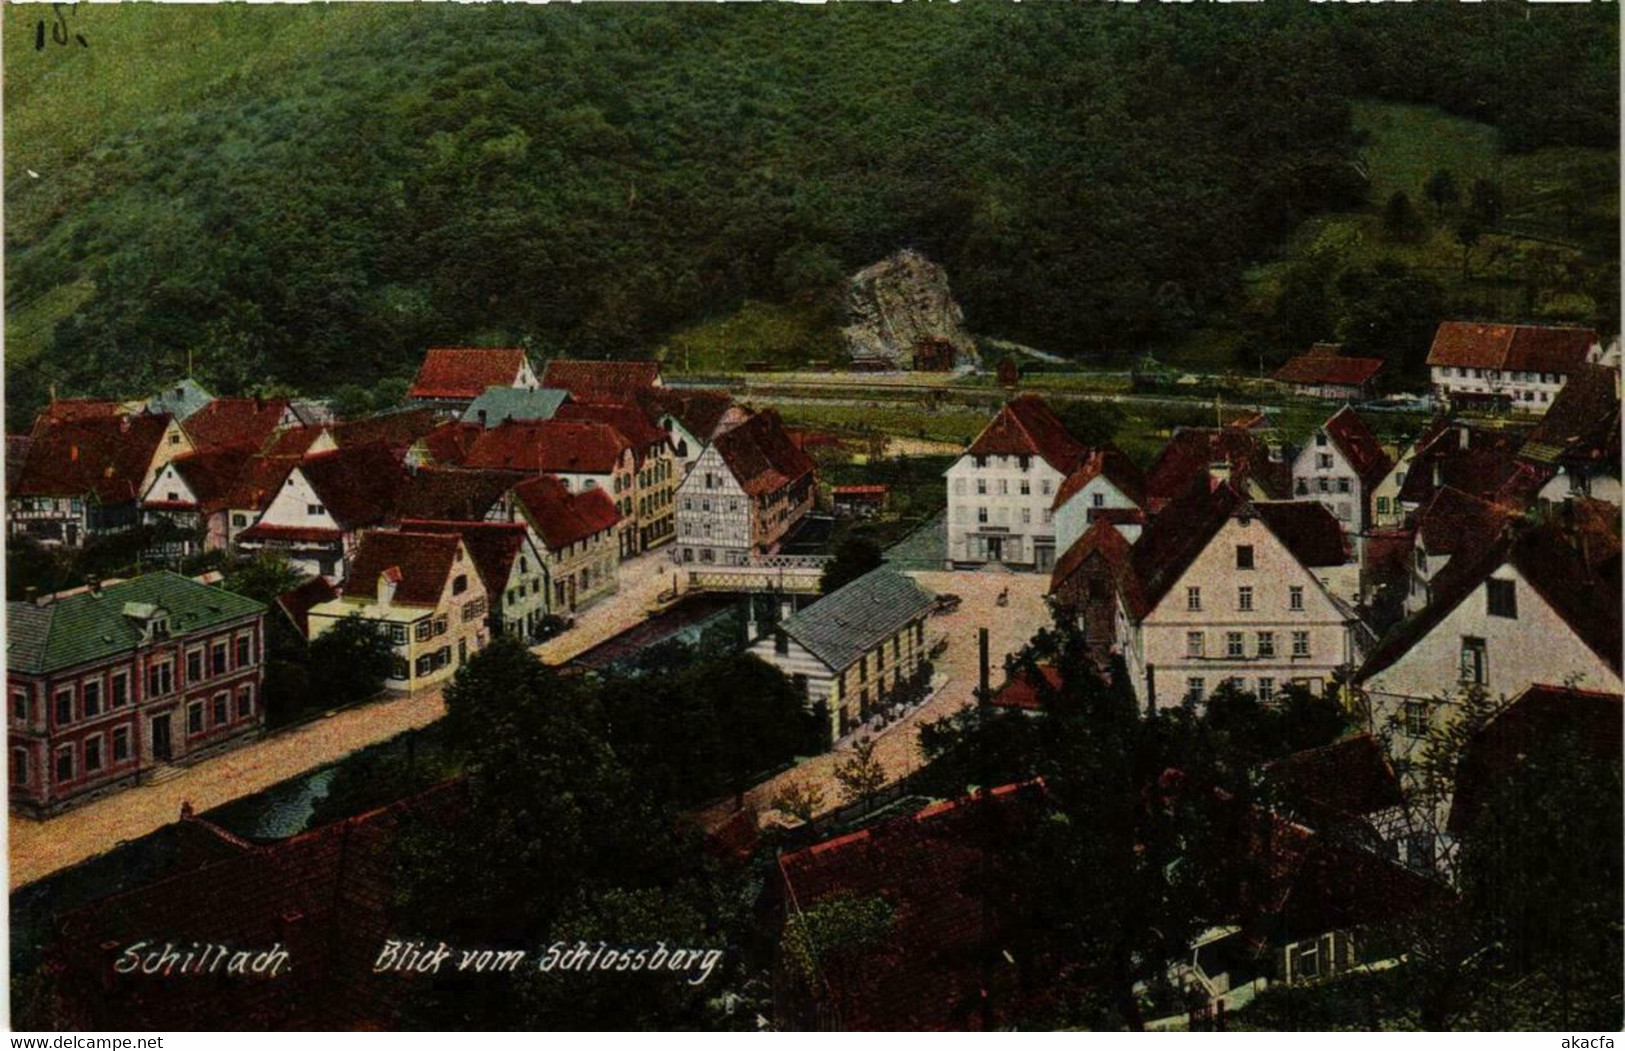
{"points": [[560, 517], [761, 456], [236, 421], [108, 456], [618, 381], [1109, 462], [465, 372], [453, 494], [550, 446], [1358, 444], [1027, 427], [422, 561], [494, 546], [1518, 348], [358, 485], [1582, 424]]}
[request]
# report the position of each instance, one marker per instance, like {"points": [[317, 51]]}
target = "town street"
{"points": [[39, 848], [897, 748], [642, 579]]}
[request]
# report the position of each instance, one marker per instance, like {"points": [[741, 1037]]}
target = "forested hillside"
{"points": [[306, 196]]}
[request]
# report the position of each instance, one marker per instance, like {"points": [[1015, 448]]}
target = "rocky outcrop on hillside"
{"points": [[902, 307]]}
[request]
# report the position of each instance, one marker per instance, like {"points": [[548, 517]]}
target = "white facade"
{"points": [[297, 506], [1267, 627], [1322, 473], [713, 515], [1072, 519], [1527, 391], [999, 511]]}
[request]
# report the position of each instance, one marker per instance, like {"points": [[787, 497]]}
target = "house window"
{"points": [[1232, 645], [781, 643], [1004, 487], [1419, 851], [425, 664], [19, 705], [194, 666], [1342, 485], [93, 754], [1324, 461], [1300, 644], [981, 487], [1244, 556], [1324, 485], [397, 634], [121, 744], [160, 679], [1195, 644], [1503, 598], [799, 681], [245, 652], [1415, 718], [441, 624], [1295, 597], [459, 584], [315, 509], [64, 764], [19, 766], [1193, 599], [1026, 487], [1024, 461], [218, 653], [981, 515], [121, 689], [64, 706], [399, 669], [194, 717], [245, 701], [1474, 661], [239, 520], [1306, 961], [91, 694], [1194, 689], [1266, 644], [1244, 598], [1382, 505], [1266, 689], [1044, 487], [1320, 437]]}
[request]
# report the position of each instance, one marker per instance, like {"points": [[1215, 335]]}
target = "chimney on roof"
{"points": [[482, 419], [1218, 473], [386, 587], [31, 594]]}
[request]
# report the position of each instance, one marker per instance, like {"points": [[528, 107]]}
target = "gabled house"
{"points": [[1001, 492], [853, 648], [112, 680], [498, 405], [1340, 466], [513, 570], [746, 492], [459, 495], [1479, 461], [691, 418], [1105, 486], [425, 592], [1578, 439], [193, 493], [452, 377], [399, 429], [1325, 373], [1085, 582], [576, 532], [317, 516], [651, 506], [240, 421], [1537, 605], [582, 455], [1452, 522], [265, 472], [1247, 452], [602, 381], [83, 476], [1387, 512], [1516, 367], [1222, 588]]}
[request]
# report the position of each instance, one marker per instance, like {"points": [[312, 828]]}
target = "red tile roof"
{"points": [[1027, 427], [1454, 521], [925, 972], [615, 381], [324, 895], [1191, 451], [449, 443], [1334, 784], [236, 421], [761, 456], [562, 518], [358, 485], [1109, 461], [699, 411], [294, 441], [1328, 368], [1582, 425], [1102, 540], [64, 410], [550, 447], [398, 430], [1585, 722], [463, 373], [296, 603], [1480, 467], [212, 476], [635, 425], [1359, 445], [107, 456], [1513, 348], [454, 494], [1022, 690], [492, 545], [424, 562]]}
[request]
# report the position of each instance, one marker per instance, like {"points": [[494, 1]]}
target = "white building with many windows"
{"points": [[1001, 492], [1340, 467], [1516, 367]]}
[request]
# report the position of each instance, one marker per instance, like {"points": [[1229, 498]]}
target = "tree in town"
{"points": [[1442, 190], [262, 577], [855, 556], [861, 774], [349, 661], [799, 798]]}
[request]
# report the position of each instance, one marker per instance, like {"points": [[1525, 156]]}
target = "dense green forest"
{"points": [[302, 197]]}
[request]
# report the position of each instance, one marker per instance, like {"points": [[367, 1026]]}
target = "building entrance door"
{"points": [[162, 750], [995, 549]]}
